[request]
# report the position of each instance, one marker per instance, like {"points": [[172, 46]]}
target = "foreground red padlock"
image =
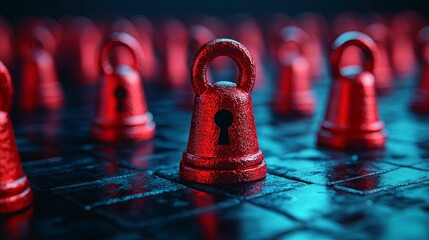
{"points": [[121, 108], [352, 119], [223, 146], [40, 87], [294, 94], [420, 102], [15, 191]]}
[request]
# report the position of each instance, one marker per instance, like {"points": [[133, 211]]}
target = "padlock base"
{"points": [[133, 131], [17, 197], [349, 141], [221, 176]]}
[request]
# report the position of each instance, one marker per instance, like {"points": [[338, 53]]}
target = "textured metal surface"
{"points": [[121, 112], [352, 119], [207, 159], [15, 192]]}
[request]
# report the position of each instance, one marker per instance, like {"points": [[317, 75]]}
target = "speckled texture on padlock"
{"points": [[207, 159], [15, 191]]}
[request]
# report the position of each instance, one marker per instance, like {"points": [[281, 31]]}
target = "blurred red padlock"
{"points": [[83, 43], [122, 55], [380, 33], [7, 54], [276, 23], [223, 146], [15, 191], [40, 87], [294, 92], [352, 120], [420, 102], [121, 108], [173, 45], [404, 27]]}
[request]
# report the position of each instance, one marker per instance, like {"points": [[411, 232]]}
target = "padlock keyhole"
{"points": [[223, 119], [120, 95]]}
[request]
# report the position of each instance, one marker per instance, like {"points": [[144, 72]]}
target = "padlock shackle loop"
{"points": [[357, 39], [6, 89], [223, 47], [37, 37], [43, 38], [115, 40]]}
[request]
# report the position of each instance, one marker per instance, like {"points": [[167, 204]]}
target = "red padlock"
{"points": [[83, 43], [6, 46], [15, 191], [352, 119], [404, 27], [40, 87], [420, 102], [173, 46], [122, 55], [223, 146], [294, 92], [121, 108]]}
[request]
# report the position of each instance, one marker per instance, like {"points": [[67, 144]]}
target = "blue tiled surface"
{"points": [[85, 189]]}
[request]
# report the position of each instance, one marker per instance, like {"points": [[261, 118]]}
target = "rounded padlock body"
{"points": [[121, 109], [352, 120], [204, 149], [39, 85], [294, 92], [355, 124], [15, 191], [207, 160]]}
